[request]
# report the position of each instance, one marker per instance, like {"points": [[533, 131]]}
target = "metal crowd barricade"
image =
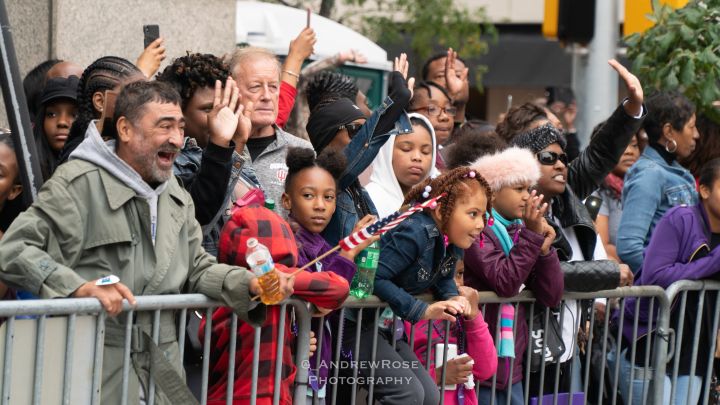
{"points": [[58, 346], [702, 298], [603, 340]]}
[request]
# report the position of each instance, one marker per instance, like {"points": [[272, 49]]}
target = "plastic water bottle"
{"points": [[261, 263], [364, 280]]}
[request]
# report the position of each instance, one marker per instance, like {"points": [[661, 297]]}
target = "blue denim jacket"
{"points": [[360, 153], [651, 188], [413, 259], [189, 161]]}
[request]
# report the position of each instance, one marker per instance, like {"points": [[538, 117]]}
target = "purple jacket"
{"points": [[488, 269], [310, 246], [679, 238]]}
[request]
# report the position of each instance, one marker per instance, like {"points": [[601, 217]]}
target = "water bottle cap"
{"points": [[252, 242]]}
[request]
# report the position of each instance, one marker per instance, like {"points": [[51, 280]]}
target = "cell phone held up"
{"points": [[151, 33]]}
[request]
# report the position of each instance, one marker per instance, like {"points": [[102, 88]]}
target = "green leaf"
{"points": [[686, 33], [681, 51], [671, 81], [664, 42], [687, 74]]}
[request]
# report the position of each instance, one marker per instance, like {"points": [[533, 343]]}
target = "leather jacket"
{"points": [[584, 176], [587, 275], [586, 173]]}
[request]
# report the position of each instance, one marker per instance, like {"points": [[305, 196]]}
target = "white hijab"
{"points": [[384, 188]]}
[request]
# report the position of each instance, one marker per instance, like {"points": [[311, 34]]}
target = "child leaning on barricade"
{"points": [[514, 253], [326, 291], [418, 254], [310, 198], [469, 337]]}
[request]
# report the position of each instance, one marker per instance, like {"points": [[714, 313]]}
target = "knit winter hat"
{"points": [[325, 121], [256, 221], [539, 138], [509, 167]]}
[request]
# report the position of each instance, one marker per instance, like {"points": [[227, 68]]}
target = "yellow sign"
{"points": [[636, 12], [550, 19]]}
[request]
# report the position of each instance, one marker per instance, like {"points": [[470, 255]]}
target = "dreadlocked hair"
{"points": [[298, 159], [454, 184], [326, 83], [194, 71], [102, 75]]}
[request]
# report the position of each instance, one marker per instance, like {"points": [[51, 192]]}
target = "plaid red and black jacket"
{"points": [[326, 290]]}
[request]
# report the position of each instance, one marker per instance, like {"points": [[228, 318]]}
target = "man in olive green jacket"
{"points": [[116, 209]]}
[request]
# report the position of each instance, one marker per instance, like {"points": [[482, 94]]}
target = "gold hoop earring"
{"points": [[674, 148]]}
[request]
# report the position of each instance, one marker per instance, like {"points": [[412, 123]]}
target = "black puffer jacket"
{"points": [[584, 176]]}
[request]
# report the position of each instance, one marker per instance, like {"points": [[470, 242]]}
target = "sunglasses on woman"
{"points": [[548, 158], [351, 128]]}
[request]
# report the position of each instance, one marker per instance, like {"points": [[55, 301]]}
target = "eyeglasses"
{"points": [[434, 110], [548, 158], [351, 128]]}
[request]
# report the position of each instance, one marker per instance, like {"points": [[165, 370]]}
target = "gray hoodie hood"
{"points": [[94, 150]]}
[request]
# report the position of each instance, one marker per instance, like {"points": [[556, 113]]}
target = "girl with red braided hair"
{"points": [[419, 255]]}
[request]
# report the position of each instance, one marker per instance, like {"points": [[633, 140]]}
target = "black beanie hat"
{"points": [[325, 121], [539, 138]]}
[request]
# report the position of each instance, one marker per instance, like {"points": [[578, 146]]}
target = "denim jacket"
{"points": [[651, 188], [188, 162], [360, 153], [413, 259]]}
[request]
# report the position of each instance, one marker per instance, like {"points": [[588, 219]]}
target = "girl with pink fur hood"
{"points": [[514, 253]]}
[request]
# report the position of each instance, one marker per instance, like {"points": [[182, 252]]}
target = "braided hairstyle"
{"points": [[194, 71], [102, 75], [455, 184], [326, 84]]}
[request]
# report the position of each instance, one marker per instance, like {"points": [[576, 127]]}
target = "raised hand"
{"points": [[534, 214], [351, 55], [403, 66], [635, 92], [303, 45], [244, 127], [455, 84], [149, 60], [224, 117]]}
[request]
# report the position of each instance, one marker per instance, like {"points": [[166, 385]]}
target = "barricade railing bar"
{"points": [[73, 387], [664, 357], [702, 298]]}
